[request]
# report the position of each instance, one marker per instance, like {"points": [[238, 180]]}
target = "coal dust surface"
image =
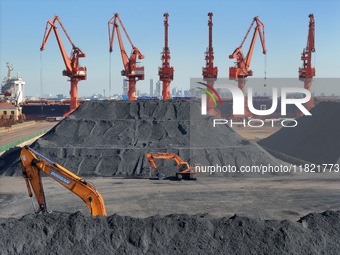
{"points": [[64, 233], [315, 139]]}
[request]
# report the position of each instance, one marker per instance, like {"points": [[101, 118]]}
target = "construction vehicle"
{"points": [[242, 68], [184, 169], [73, 70], [307, 72], [166, 73], [210, 71], [132, 72], [33, 163]]}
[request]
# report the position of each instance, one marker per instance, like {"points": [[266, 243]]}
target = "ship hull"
{"points": [[42, 112]]}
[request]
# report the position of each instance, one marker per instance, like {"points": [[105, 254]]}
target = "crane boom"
{"points": [[132, 72], [166, 73], [307, 72], [242, 68], [73, 69], [33, 163]]}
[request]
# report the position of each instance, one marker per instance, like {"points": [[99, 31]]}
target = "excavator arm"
{"points": [[33, 163], [163, 155]]}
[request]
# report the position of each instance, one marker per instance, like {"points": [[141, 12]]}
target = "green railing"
{"points": [[13, 144]]}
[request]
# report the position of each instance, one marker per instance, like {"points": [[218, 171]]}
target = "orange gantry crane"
{"points": [[132, 72], [307, 72], [166, 73], [73, 70], [210, 71], [242, 68]]}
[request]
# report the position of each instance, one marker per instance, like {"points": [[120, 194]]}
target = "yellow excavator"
{"points": [[33, 163], [184, 169]]}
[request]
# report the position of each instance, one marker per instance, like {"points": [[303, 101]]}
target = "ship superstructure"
{"points": [[12, 88]]}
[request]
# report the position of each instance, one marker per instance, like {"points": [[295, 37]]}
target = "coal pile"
{"points": [[315, 139], [63, 233], [111, 138]]}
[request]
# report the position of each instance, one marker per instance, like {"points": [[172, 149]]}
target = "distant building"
{"points": [[151, 88], [125, 87], [138, 93], [158, 89], [186, 93], [9, 111], [47, 96], [176, 92]]}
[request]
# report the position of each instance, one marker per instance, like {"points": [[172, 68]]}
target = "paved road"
{"points": [[13, 135], [279, 197]]}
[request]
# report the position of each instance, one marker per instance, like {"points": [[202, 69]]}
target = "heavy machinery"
{"points": [[131, 70], [33, 163], [242, 68], [210, 71], [184, 169], [166, 73], [73, 70], [307, 72]]}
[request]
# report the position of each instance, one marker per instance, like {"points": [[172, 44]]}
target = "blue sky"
{"points": [[22, 25]]}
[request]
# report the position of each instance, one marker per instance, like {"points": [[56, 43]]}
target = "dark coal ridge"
{"points": [[64, 233], [315, 139], [111, 138]]}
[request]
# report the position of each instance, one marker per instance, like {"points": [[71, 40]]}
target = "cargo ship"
{"points": [[44, 109], [12, 88], [12, 93]]}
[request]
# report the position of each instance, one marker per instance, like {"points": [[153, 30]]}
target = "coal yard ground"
{"points": [[276, 198], [220, 213]]}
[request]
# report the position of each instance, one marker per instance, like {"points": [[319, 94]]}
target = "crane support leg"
{"points": [[132, 89], [241, 81], [74, 95], [211, 107], [166, 90], [308, 84]]}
